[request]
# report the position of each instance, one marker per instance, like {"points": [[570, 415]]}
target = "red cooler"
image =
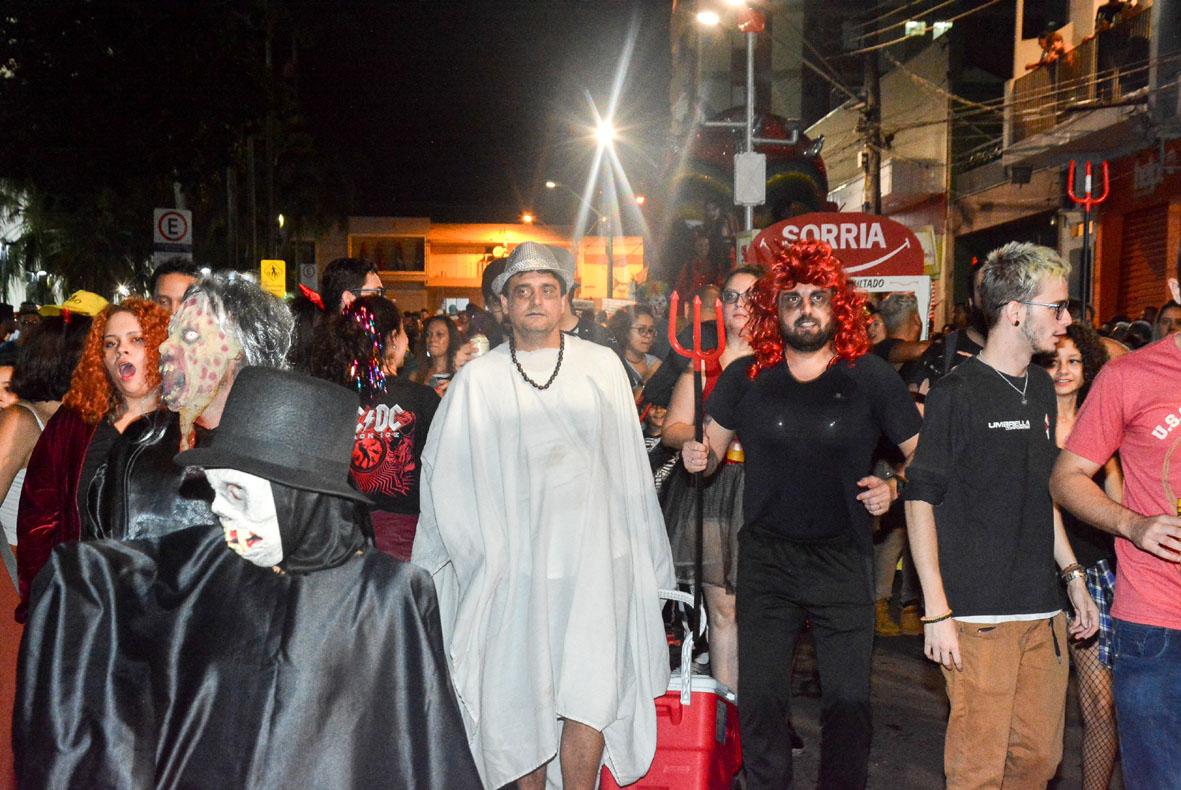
{"points": [[697, 745]]}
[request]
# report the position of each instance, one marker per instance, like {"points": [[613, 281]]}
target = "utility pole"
{"points": [[252, 188], [270, 147], [231, 216], [871, 128]]}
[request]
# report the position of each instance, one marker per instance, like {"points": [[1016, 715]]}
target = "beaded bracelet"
{"points": [[939, 619]]}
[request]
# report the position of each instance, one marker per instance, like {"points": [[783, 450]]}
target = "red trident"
{"points": [[700, 359], [1088, 201]]}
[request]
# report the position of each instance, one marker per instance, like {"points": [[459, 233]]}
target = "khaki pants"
{"points": [[1008, 705]]}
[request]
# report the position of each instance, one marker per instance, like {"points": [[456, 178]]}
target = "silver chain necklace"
{"points": [[1004, 378]]}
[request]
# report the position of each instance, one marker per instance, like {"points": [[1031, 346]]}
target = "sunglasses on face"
{"points": [[790, 300]]}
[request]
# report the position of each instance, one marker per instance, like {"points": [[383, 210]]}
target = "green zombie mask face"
{"points": [[195, 360]]}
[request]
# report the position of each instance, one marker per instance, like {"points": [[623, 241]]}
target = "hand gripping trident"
{"points": [[700, 360], [1088, 201]]}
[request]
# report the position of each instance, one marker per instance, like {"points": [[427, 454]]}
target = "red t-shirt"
{"points": [[1134, 407]]}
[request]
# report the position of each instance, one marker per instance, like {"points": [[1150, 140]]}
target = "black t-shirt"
{"points": [[944, 354], [391, 432], [808, 443], [984, 462], [909, 371]]}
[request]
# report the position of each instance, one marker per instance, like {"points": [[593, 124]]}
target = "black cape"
{"points": [[172, 662]]}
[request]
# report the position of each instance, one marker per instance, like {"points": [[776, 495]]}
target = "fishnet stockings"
{"points": [[1100, 741]]}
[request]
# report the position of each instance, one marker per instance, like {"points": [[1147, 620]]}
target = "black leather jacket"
{"points": [[140, 492]]}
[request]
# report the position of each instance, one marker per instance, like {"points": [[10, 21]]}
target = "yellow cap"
{"points": [[85, 303]]}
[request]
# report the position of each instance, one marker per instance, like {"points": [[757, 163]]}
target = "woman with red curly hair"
{"points": [[116, 382], [809, 407]]}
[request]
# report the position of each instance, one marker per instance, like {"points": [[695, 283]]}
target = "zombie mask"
{"points": [[245, 505], [195, 360], [658, 303]]}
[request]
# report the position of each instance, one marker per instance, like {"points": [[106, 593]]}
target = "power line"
{"points": [[889, 13], [926, 83], [900, 39], [832, 76], [930, 10]]}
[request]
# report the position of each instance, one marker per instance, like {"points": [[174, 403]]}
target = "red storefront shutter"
{"points": [[1142, 270]]}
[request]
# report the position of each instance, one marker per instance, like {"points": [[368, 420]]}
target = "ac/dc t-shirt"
{"points": [[807, 443], [390, 434], [1134, 407]]}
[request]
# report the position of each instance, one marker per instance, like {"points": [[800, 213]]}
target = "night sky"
{"points": [[462, 110]]}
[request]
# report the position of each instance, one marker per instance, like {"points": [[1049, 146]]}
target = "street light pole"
{"points": [[608, 196], [748, 211], [751, 23]]}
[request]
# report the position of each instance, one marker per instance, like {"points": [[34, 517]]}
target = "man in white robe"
{"points": [[541, 528]]}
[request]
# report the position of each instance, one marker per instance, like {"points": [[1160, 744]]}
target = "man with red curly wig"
{"points": [[809, 407]]}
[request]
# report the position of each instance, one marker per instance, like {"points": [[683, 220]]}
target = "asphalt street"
{"points": [[909, 713]]}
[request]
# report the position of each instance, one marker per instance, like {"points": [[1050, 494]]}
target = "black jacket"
{"points": [[202, 670], [140, 492]]}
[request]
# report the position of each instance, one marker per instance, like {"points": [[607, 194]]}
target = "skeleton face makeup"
{"points": [[195, 359], [245, 506]]}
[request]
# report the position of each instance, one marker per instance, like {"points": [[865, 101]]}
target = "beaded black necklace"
{"points": [[512, 350]]}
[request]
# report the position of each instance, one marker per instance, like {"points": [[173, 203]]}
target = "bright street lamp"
{"points": [[527, 218], [550, 184], [605, 133], [709, 18]]}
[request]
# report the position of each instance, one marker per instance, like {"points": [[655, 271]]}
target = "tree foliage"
{"points": [[111, 108]]}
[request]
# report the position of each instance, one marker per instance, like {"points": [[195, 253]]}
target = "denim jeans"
{"points": [[1148, 704]]}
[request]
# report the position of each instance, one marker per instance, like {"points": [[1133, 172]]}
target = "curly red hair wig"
{"points": [[92, 393], [813, 263]]}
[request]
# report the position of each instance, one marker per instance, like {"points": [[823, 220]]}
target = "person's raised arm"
{"points": [[908, 351], [1074, 488], [678, 424]]}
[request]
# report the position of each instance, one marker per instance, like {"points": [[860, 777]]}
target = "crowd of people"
{"points": [[334, 543]]}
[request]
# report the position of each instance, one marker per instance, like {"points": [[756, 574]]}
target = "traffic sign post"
{"points": [[273, 277], [172, 234]]}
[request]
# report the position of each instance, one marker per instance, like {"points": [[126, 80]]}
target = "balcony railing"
{"points": [[1102, 70]]}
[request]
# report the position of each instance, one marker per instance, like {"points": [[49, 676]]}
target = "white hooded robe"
{"points": [[541, 528]]}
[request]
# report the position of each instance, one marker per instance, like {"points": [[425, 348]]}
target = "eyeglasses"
{"points": [[359, 292], [790, 300], [1057, 307], [730, 296], [645, 331]]}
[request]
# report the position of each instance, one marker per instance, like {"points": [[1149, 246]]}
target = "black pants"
{"points": [[779, 583]]}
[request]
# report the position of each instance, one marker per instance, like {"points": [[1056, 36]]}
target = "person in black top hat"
{"points": [[303, 657]]}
